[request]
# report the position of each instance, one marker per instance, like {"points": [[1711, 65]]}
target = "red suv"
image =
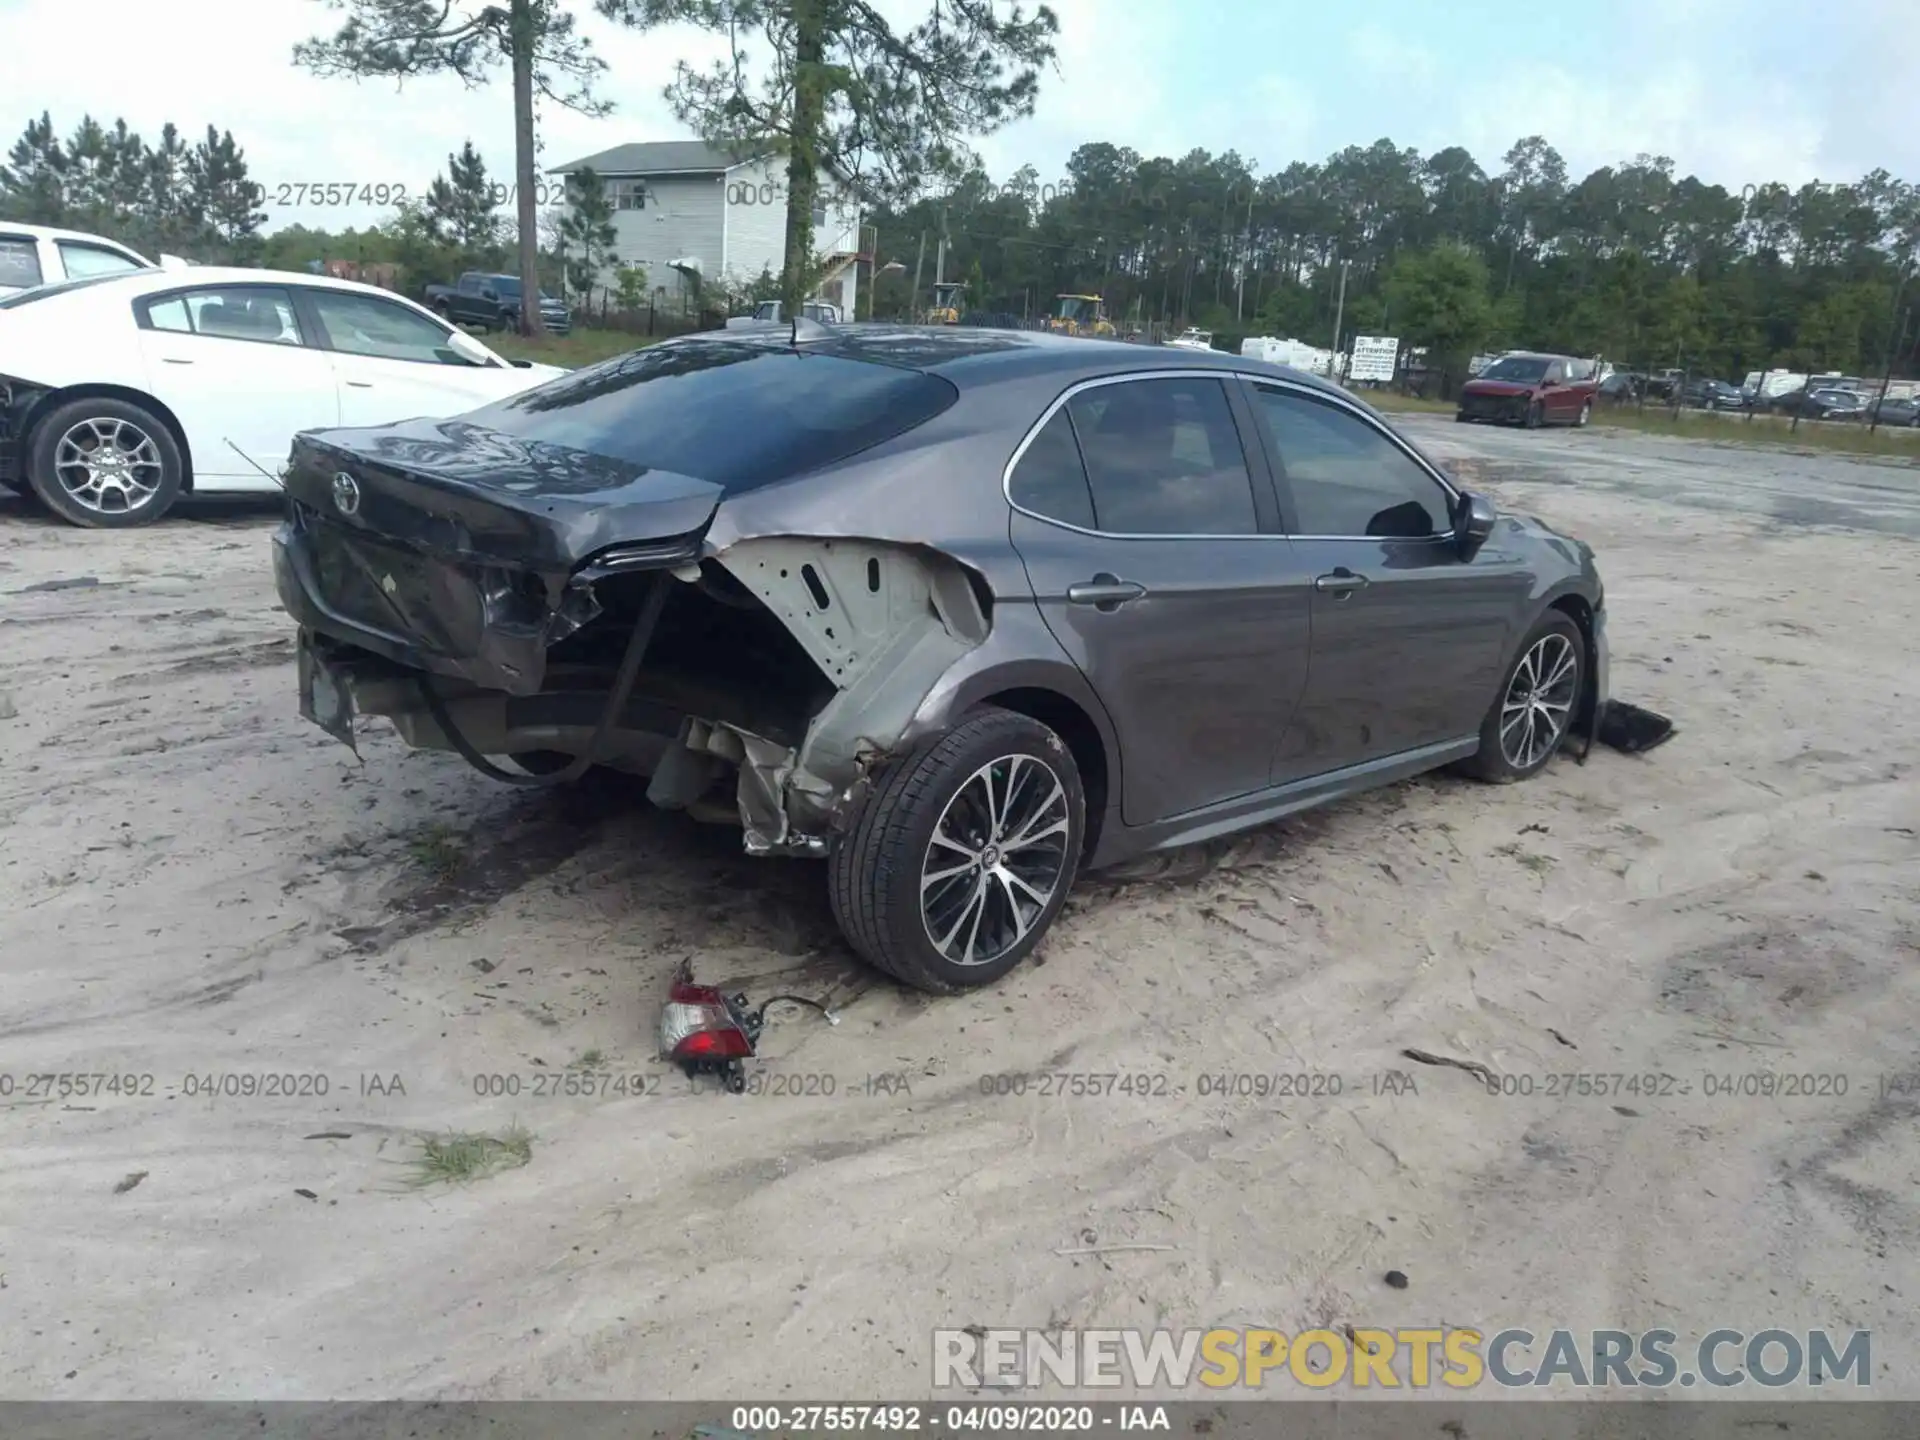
{"points": [[1531, 390]]}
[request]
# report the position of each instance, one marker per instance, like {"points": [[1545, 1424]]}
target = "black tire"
{"points": [[155, 461], [1493, 762], [875, 872], [1536, 412], [542, 762], [1460, 417]]}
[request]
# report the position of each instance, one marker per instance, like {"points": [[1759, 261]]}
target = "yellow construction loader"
{"points": [[1080, 315], [947, 298]]}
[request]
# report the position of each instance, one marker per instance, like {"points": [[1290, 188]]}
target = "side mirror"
{"points": [[1473, 523], [521, 364], [470, 350]]}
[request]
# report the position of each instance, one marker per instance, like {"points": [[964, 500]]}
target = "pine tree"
{"points": [[33, 181], [535, 39], [91, 160], [462, 209], [587, 231], [169, 218], [223, 202], [842, 90]]}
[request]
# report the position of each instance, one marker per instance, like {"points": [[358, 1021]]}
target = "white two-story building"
{"points": [[682, 208]]}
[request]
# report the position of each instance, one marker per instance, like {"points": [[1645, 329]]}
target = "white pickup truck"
{"points": [[33, 255], [769, 312]]}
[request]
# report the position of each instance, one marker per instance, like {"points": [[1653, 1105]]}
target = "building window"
{"points": [[627, 194]]}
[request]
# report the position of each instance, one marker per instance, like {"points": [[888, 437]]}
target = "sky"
{"points": [[1738, 93]]}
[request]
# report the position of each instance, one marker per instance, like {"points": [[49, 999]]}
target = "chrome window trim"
{"points": [[1222, 374]]}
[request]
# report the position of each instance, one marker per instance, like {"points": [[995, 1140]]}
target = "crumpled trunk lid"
{"points": [[448, 547], [458, 489]]}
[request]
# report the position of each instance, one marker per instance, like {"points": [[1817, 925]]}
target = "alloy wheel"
{"points": [[108, 465], [997, 857], [1539, 701]]}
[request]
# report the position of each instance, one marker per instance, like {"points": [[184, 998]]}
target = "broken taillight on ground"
{"points": [[707, 1032]]}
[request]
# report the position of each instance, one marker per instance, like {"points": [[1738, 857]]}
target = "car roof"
{"points": [[54, 232], [136, 283], [971, 357]]}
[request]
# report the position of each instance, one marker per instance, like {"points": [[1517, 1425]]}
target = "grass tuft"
{"points": [[456, 1159], [437, 849]]}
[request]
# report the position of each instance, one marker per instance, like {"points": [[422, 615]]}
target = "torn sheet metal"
{"points": [[884, 623]]}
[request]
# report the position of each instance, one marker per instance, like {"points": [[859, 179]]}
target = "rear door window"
{"points": [[19, 261], [1164, 458], [740, 415], [246, 312]]}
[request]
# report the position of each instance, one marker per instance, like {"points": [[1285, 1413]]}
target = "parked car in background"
{"points": [[492, 302], [119, 393], [1531, 390], [1192, 338], [770, 312], [32, 255], [1896, 410], [1820, 402], [956, 612], [1703, 393], [1620, 388]]}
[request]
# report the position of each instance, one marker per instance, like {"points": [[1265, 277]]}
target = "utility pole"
{"points": [[1894, 341], [940, 261], [1246, 259], [913, 302], [1339, 315]]}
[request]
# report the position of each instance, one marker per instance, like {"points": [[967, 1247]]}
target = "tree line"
{"points": [[169, 197], [1634, 261]]}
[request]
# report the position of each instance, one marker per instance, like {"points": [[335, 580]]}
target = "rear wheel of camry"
{"points": [[963, 854], [105, 464], [1530, 716]]}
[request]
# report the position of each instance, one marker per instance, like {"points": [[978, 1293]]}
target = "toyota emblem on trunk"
{"points": [[346, 493]]}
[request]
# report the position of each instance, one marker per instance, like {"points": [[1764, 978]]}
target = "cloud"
{"points": [[1736, 95], [142, 63]]}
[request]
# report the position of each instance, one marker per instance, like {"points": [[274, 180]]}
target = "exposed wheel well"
{"points": [[1073, 725], [1575, 608], [54, 399]]}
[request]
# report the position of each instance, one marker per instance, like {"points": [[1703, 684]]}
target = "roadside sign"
{"points": [[1373, 357]]}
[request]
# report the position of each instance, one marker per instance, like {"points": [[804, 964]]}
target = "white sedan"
{"points": [[119, 393]]}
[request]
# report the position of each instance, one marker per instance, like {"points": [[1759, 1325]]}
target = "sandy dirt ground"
{"points": [[195, 884]]}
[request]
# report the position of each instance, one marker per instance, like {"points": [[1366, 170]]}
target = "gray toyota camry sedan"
{"points": [[961, 612]]}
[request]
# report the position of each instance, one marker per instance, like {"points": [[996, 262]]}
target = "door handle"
{"points": [[1342, 582], [170, 360], [361, 384], [1104, 592]]}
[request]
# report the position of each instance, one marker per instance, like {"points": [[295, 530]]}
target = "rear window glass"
{"points": [[739, 415], [19, 261]]}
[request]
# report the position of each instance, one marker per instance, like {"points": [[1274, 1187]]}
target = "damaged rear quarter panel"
{"points": [[899, 544]]}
